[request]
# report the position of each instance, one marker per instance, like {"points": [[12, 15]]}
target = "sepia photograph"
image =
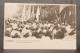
{"points": [[39, 26]]}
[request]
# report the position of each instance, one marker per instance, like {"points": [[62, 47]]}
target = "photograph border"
{"points": [[77, 2]]}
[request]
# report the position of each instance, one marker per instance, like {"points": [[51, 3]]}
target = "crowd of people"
{"points": [[53, 30]]}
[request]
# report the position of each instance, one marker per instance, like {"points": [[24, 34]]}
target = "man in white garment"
{"points": [[14, 25], [8, 31], [34, 25], [68, 28], [26, 30], [14, 33], [15, 30]]}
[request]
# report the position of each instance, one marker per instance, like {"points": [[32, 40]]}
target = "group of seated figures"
{"points": [[53, 30]]}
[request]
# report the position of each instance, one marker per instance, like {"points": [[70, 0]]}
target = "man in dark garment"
{"points": [[48, 33], [60, 33]]}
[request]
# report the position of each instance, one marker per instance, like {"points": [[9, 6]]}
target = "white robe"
{"points": [[34, 25], [8, 29], [14, 26], [24, 31], [54, 31], [68, 29], [14, 32]]}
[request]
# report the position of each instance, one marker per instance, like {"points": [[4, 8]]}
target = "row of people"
{"points": [[18, 30]]}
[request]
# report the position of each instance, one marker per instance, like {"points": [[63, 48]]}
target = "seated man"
{"points": [[73, 31], [15, 33], [60, 34], [8, 32], [26, 32], [36, 34]]}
